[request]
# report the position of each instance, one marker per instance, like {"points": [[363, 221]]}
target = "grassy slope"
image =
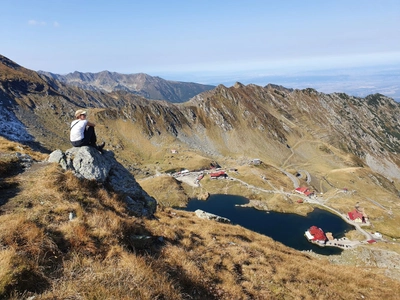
{"points": [[96, 256], [331, 172]]}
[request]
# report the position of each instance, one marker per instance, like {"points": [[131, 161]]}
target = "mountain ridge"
{"points": [[231, 113], [342, 147], [140, 84], [287, 129]]}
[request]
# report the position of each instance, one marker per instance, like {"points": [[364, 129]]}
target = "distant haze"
{"points": [[293, 43], [360, 82]]}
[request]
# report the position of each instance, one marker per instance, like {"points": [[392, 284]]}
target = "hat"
{"points": [[80, 112]]}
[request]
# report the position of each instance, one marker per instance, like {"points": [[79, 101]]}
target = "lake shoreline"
{"points": [[287, 228]]}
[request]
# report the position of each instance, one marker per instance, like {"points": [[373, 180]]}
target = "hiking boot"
{"points": [[101, 146]]}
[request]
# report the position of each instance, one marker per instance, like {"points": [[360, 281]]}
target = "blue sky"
{"points": [[188, 38]]}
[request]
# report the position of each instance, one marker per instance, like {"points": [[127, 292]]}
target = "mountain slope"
{"points": [[140, 84], [249, 121], [344, 148], [365, 127], [106, 253]]}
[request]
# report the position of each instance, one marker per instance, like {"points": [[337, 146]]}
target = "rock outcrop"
{"points": [[89, 163], [208, 216]]}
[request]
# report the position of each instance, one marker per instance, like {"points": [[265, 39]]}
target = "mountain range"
{"points": [[141, 84], [250, 120], [348, 146]]}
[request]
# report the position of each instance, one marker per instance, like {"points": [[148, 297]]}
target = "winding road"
{"points": [[190, 178]]}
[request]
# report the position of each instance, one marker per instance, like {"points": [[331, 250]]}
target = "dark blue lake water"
{"points": [[285, 228]]}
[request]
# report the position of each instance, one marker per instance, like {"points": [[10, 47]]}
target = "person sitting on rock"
{"points": [[82, 132]]}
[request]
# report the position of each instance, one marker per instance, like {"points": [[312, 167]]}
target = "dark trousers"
{"points": [[89, 138]]}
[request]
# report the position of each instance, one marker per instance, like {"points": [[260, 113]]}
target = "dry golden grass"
{"points": [[97, 255], [370, 192], [7, 146], [355, 235], [42, 233], [166, 190], [154, 155], [239, 264], [9, 162]]}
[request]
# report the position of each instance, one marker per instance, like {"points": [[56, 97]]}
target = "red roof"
{"points": [[355, 214], [317, 233], [302, 189], [371, 241], [217, 174]]}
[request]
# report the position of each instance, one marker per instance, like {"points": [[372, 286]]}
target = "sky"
{"points": [[194, 39]]}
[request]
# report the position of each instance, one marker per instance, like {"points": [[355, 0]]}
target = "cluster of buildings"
{"points": [[181, 173], [304, 191], [215, 174]]}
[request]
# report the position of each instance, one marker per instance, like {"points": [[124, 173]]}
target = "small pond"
{"points": [[285, 228]]}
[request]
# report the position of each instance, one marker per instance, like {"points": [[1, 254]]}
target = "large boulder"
{"points": [[87, 162]]}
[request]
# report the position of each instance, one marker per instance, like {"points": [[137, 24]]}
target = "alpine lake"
{"points": [[287, 229]]}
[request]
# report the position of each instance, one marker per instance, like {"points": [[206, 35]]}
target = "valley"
{"points": [[274, 144], [315, 200]]}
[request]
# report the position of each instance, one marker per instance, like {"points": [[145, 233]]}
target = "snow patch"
{"points": [[11, 128]]}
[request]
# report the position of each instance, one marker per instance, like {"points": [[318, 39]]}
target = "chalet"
{"points": [[316, 235], [308, 193], [174, 151], [218, 174], [356, 216], [256, 161], [304, 191], [301, 190]]}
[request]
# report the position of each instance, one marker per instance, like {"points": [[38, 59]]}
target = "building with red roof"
{"points": [[308, 193], [301, 190], [315, 234], [218, 174], [356, 216], [304, 190]]}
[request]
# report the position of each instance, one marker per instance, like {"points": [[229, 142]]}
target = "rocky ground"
{"points": [[383, 261]]}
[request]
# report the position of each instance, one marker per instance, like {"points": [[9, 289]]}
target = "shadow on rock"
{"points": [[88, 163]]}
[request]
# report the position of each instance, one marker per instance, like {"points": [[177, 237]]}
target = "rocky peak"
{"points": [[88, 163], [142, 84], [8, 62], [238, 85]]}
